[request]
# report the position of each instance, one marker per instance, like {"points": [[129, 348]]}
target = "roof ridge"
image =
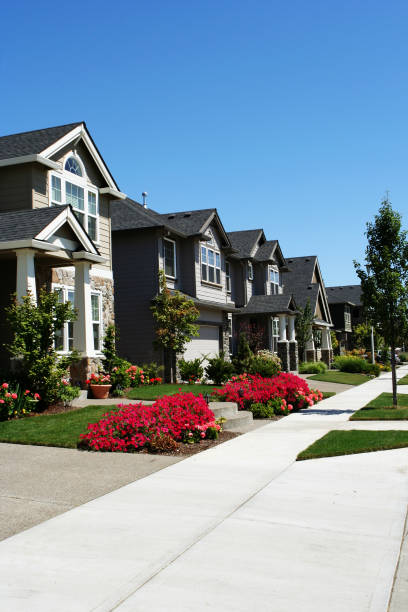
{"points": [[51, 127]]}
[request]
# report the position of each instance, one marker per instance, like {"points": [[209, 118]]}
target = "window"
{"points": [[250, 271], [317, 338], [275, 334], [64, 337], [228, 276], [210, 265], [72, 188], [96, 320], [274, 280], [169, 256]]}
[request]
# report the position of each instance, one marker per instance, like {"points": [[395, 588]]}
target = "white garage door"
{"points": [[205, 344]]}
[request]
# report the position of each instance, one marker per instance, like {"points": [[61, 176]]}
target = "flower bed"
{"points": [[18, 403], [182, 417], [246, 390]]}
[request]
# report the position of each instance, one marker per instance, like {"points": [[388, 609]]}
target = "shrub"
{"points": [[244, 355], [120, 375], [219, 370], [265, 364], [275, 406], [246, 390], [15, 403], [356, 365], [163, 443], [312, 367], [183, 416], [191, 371], [152, 370], [403, 357]]}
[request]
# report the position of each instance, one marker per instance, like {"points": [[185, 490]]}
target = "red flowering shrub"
{"points": [[246, 390], [184, 416], [16, 403]]}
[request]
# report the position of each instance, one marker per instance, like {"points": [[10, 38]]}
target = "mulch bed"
{"points": [[192, 449]]}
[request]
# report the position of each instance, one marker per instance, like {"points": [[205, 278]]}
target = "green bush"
{"points": [[244, 355], [373, 368], [120, 377], [267, 411], [356, 365], [403, 357], [264, 363], [219, 370], [152, 370], [312, 367], [191, 371]]}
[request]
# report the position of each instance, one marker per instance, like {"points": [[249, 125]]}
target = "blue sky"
{"points": [[286, 116]]}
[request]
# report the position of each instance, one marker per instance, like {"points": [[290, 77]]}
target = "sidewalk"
{"points": [[239, 527]]}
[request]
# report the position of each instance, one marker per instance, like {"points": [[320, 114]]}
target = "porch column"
{"points": [[25, 280], [291, 320], [310, 348], [283, 344], [293, 346], [83, 333]]}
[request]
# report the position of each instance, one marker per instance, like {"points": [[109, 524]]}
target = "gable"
{"points": [[93, 173]]}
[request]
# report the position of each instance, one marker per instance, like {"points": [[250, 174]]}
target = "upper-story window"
{"points": [[274, 280], [250, 271], [228, 276], [210, 265], [71, 187], [169, 256]]}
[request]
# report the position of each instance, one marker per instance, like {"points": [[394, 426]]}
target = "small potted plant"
{"points": [[100, 385]]}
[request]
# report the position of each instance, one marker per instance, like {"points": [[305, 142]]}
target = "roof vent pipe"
{"points": [[144, 196]]}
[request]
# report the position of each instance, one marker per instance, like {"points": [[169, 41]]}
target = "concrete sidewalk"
{"points": [[239, 527]]}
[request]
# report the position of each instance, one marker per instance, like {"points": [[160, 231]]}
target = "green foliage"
{"points": [[384, 279], [174, 315], [303, 327], [109, 349], [152, 369], [356, 365], [192, 370], [334, 341], [312, 367], [265, 364], [219, 370], [244, 355], [362, 337], [120, 376], [268, 410], [34, 328], [403, 357]]}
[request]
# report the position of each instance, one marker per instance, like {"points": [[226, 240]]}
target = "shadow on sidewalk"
{"points": [[324, 412]]}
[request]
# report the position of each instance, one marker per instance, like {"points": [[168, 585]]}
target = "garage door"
{"points": [[205, 344]]}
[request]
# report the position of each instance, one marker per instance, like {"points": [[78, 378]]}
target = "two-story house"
{"points": [[305, 283], [257, 267], [55, 202], [346, 312], [192, 248]]}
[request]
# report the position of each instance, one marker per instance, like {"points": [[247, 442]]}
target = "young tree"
{"points": [[303, 327], [384, 279], [174, 315]]}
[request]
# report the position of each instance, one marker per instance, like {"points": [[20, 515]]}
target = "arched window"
{"points": [[71, 165]]}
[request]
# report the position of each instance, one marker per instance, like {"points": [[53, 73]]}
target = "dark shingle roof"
{"points": [[299, 280], [188, 222], [266, 251], [245, 241], [27, 143], [272, 304], [344, 293], [26, 224], [128, 214]]}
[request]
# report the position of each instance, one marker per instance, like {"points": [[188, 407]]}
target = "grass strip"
{"points": [[62, 430], [381, 409], [154, 391], [354, 441], [403, 381], [342, 378]]}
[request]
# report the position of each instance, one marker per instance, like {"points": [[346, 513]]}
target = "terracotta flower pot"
{"points": [[100, 391]]}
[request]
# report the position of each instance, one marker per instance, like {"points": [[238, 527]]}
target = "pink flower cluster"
{"points": [[98, 379], [247, 389], [183, 416], [11, 405]]}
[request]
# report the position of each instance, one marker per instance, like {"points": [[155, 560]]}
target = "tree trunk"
{"points": [[394, 376]]}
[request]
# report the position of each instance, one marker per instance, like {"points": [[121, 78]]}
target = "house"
{"points": [[263, 308], [346, 312], [56, 193], [305, 283], [192, 248]]}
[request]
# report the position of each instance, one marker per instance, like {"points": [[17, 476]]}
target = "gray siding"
{"points": [[135, 269], [15, 188]]}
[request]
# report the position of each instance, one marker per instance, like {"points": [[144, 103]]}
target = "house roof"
{"points": [[33, 142], [245, 241], [269, 304], [189, 222], [266, 250], [299, 281], [129, 214], [343, 294], [22, 224]]}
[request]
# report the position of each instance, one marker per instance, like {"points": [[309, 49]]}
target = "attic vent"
{"points": [[310, 287], [307, 259], [289, 260], [171, 216], [187, 214]]}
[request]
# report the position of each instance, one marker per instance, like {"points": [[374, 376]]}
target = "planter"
{"points": [[100, 391]]}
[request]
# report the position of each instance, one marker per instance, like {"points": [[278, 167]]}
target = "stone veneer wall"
{"points": [[225, 344], [283, 354], [293, 356]]}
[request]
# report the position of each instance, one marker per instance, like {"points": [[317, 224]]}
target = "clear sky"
{"points": [[291, 116]]}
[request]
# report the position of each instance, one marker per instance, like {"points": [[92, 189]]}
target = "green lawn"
{"points": [[380, 409], [327, 394], [344, 378], [350, 442], [154, 391], [52, 430], [404, 380]]}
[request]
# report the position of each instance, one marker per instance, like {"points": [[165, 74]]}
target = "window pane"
{"points": [[70, 336], [74, 195], [56, 189], [96, 336], [204, 272], [60, 294], [211, 275], [210, 257], [203, 255], [92, 227], [91, 203], [59, 340], [217, 260], [169, 258], [218, 275], [71, 297], [95, 307], [72, 166], [227, 268], [81, 217]]}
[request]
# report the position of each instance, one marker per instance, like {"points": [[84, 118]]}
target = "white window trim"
{"points": [[101, 333], [175, 258], [64, 289], [203, 245], [272, 283], [80, 181], [250, 271], [228, 277]]}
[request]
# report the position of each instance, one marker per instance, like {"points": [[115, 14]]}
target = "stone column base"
{"points": [[283, 354], [327, 356], [293, 356], [82, 369], [310, 355]]}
